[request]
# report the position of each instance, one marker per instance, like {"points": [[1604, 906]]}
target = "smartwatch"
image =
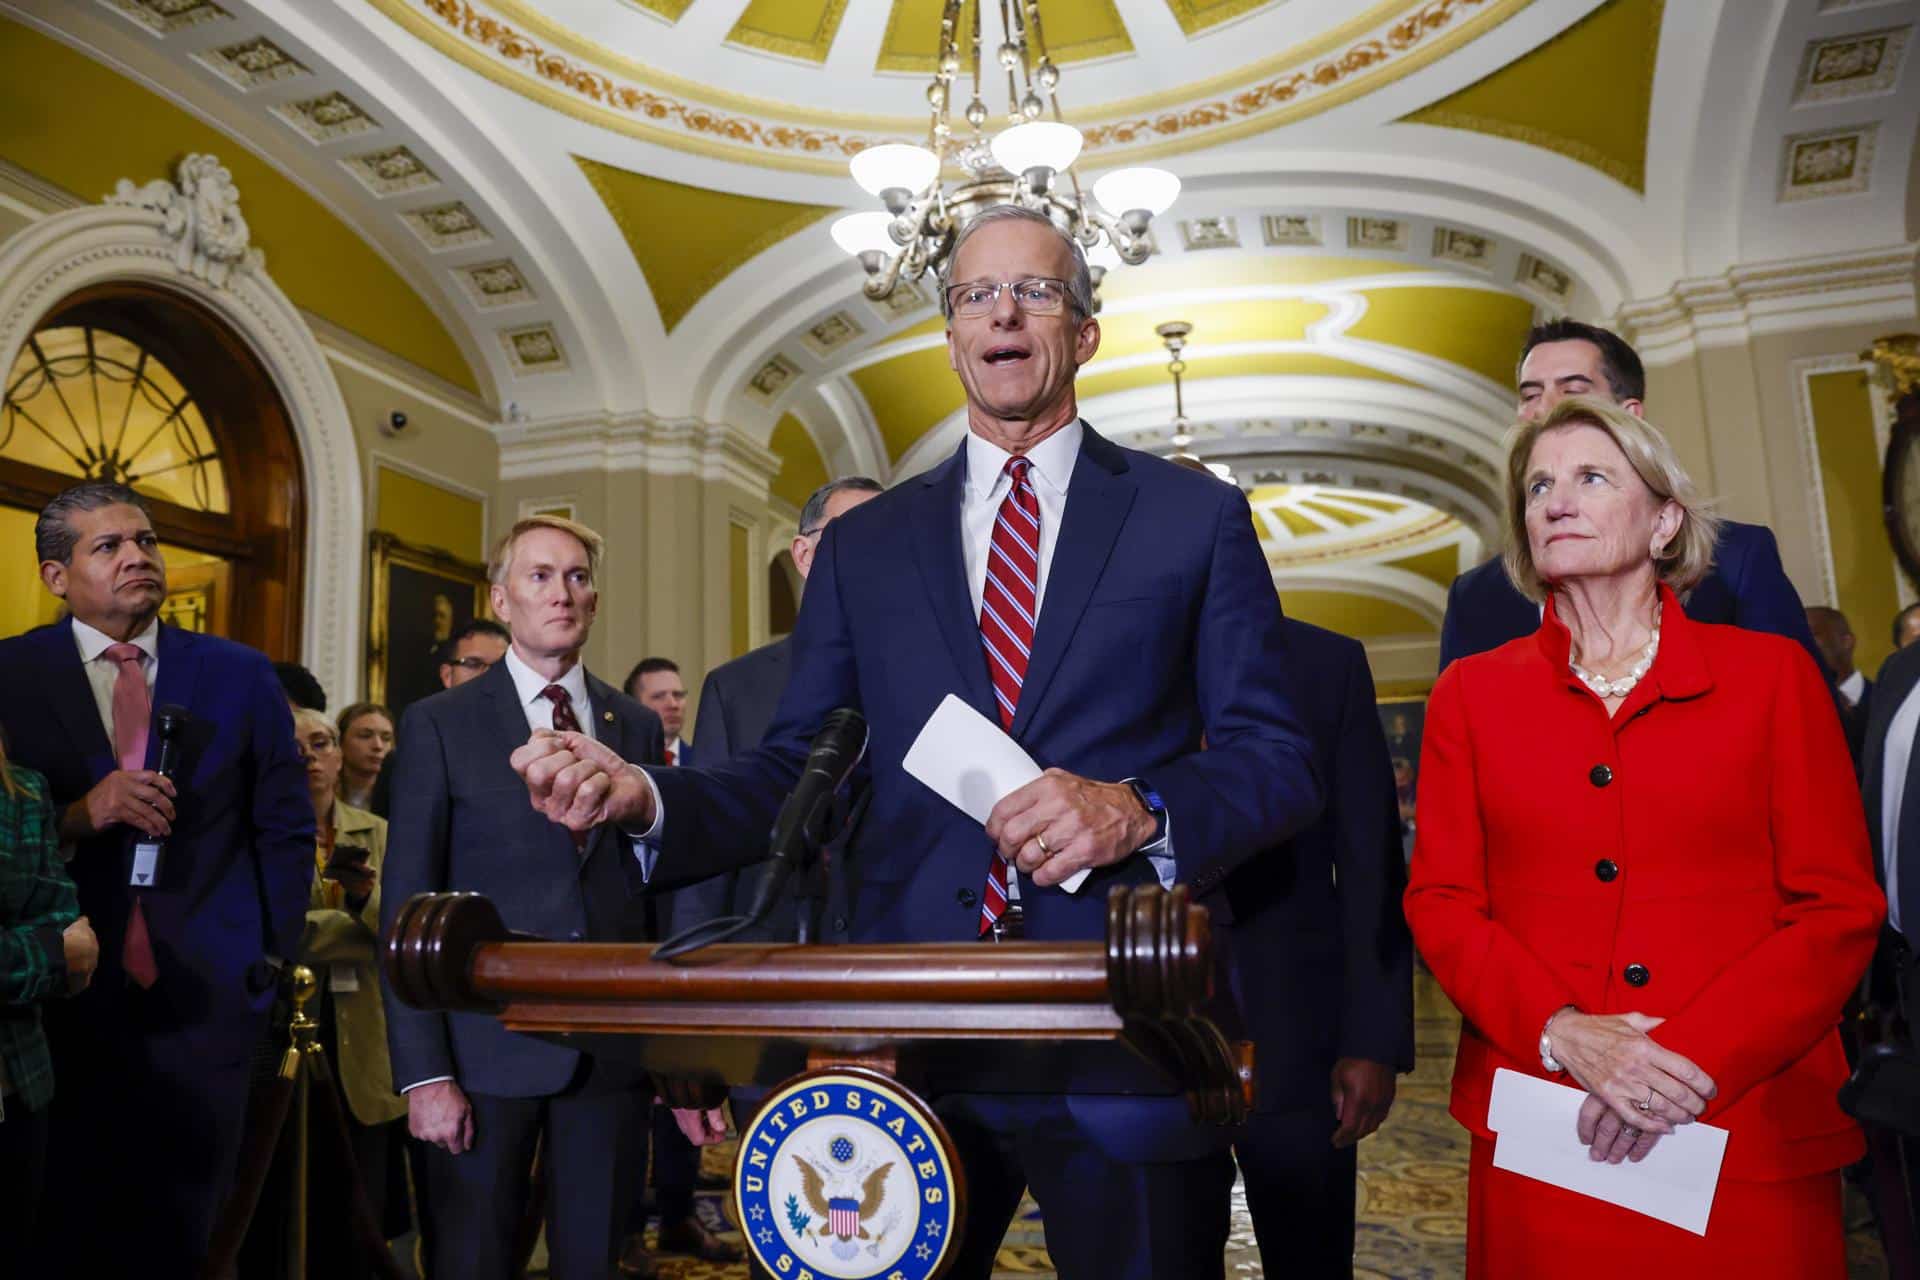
{"points": [[1154, 805]]}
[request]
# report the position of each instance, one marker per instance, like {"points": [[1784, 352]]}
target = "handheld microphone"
{"points": [[172, 721], [837, 748]]}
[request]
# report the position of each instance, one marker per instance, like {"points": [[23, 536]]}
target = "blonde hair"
{"points": [[1687, 556], [503, 551], [307, 718]]}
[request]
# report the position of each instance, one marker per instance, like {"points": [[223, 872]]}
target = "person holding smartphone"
{"points": [[341, 945]]}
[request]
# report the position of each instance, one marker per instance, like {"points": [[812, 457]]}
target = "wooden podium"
{"points": [[849, 1038]]}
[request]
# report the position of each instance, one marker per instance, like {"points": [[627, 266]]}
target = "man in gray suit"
{"points": [[481, 1096], [737, 703]]}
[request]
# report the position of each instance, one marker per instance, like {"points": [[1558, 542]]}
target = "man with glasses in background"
{"points": [[471, 651]]}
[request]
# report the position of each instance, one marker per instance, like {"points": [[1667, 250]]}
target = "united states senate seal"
{"points": [[845, 1175]]}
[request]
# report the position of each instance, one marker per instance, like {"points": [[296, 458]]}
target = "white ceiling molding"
{"points": [[713, 451], [1852, 287], [64, 252]]}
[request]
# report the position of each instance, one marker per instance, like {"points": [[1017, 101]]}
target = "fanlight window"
{"points": [[88, 403]]}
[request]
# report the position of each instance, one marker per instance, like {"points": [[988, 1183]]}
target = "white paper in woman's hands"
{"points": [[971, 763], [1535, 1129]]}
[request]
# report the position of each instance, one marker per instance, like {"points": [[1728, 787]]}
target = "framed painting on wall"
{"points": [[418, 598], [1404, 720]]}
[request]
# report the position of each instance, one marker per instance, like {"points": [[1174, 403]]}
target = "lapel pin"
{"points": [[607, 716]]}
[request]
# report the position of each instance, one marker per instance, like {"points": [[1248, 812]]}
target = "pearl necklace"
{"points": [[1620, 686]]}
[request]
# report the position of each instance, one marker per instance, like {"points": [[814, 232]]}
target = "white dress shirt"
{"points": [[987, 487], [531, 686], [1853, 688], [1893, 785], [103, 672]]}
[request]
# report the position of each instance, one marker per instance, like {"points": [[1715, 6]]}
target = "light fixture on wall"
{"points": [[1029, 163], [1174, 335]]}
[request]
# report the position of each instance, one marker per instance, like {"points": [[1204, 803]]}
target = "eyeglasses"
{"points": [[318, 744], [471, 663], [1036, 296]]}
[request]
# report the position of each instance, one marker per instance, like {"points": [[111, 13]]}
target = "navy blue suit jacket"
{"points": [[238, 865], [1320, 959], [737, 702], [1747, 587], [1160, 625], [461, 821]]}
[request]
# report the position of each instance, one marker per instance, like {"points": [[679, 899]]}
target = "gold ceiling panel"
{"points": [[1586, 94], [671, 10], [82, 127], [1441, 565], [1216, 324], [802, 29], [909, 394], [1195, 16], [1362, 617], [726, 231], [1476, 329], [1076, 30], [802, 469]]}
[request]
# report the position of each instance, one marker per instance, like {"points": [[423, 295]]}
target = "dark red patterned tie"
{"points": [[566, 722], [1007, 607]]}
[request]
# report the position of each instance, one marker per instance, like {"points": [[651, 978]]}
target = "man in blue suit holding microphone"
{"points": [[1111, 612], [182, 800]]}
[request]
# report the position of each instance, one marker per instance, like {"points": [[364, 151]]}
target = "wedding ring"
{"points": [[1042, 842], [1648, 1104], [1632, 1133]]}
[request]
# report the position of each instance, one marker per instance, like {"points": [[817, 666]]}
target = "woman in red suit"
{"points": [[1642, 869]]}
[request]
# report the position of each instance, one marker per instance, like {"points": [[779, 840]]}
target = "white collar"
{"points": [[1053, 460], [93, 641], [1853, 688], [530, 684]]}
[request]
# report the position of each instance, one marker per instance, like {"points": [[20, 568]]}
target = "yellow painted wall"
{"points": [[740, 589], [1358, 616], [80, 126], [428, 515], [1440, 565], [802, 469], [1850, 475]]}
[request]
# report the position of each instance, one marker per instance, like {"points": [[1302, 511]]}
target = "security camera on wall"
{"points": [[393, 424]]}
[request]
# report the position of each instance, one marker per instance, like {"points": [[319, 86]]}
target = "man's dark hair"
{"points": [[450, 647], [1899, 618], [301, 686], [646, 667], [813, 516], [54, 534], [1619, 362]]}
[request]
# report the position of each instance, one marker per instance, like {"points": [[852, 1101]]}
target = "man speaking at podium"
{"points": [[1110, 611]]}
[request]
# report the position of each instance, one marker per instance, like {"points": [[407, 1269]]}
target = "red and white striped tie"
{"points": [[1007, 608]]}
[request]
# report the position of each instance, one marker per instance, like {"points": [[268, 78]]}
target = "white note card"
{"points": [[971, 762], [1534, 1123]]}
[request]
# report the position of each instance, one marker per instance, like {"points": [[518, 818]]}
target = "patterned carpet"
{"points": [[1412, 1194]]}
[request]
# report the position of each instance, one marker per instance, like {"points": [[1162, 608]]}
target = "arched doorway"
{"points": [[136, 383]]}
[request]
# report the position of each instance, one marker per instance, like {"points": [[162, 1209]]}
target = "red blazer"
{"points": [[1707, 841]]}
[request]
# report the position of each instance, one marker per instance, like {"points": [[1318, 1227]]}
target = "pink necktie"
{"points": [[131, 710], [1006, 627]]}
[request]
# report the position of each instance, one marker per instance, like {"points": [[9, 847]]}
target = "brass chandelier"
{"points": [[1028, 162]]}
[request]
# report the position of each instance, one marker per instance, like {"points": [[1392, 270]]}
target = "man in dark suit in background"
{"points": [[1110, 633], [1890, 789], [737, 703], [1321, 965], [1834, 636], [478, 1093], [151, 1061], [1748, 586]]}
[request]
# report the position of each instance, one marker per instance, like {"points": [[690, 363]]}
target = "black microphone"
{"points": [[836, 749], [148, 852]]}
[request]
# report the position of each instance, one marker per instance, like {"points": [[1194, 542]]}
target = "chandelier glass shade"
{"points": [[1027, 161]]}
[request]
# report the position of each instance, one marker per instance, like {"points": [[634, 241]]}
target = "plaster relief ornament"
{"points": [[201, 212], [843, 1175]]}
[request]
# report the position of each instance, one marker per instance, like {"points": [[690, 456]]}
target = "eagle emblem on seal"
{"points": [[832, 1198]]}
